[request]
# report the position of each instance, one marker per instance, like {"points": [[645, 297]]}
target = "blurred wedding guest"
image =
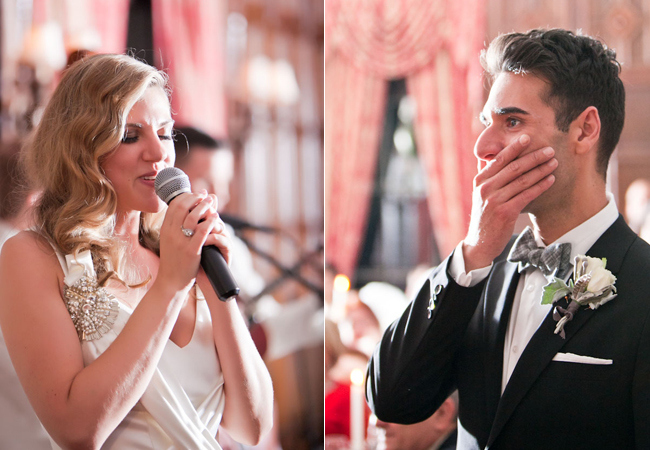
{"points": [[209, 164], [15, 198], [19, 427], [349, 343], [387, 302], [359, 329], [637, 203], [115, 332], [415, 279], [438, 432], [340, 361], [369, 311]]}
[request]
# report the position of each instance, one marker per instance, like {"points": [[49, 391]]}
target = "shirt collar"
{"points": [[587, 233]]}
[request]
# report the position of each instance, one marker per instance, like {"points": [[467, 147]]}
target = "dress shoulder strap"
{"points": [[74, 267], [92, 309]]}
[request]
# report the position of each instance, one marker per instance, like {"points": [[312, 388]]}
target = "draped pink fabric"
{"points": [[434, 45], [112, 22], [350, 157], [189, 38]]}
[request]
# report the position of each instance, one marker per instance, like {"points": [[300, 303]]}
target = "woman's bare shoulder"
{"points": [[30, 252]]}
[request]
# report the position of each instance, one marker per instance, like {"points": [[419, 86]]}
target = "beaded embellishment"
{"points": [[92, 309]]}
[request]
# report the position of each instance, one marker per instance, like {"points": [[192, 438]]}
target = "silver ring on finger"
{"points": [[186, 232]]}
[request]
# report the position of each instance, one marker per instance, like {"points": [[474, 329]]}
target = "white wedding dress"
{"points": [[183, 404]]}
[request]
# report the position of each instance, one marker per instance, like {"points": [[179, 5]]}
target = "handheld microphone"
{"points": [[170, 183]]}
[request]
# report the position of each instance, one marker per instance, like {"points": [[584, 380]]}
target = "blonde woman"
{"points": [[113, 342]]}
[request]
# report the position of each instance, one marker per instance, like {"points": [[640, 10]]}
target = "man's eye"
{"points": [[512, 122]]}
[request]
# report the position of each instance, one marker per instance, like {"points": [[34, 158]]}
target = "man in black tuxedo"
{"points": [[553, 118]]}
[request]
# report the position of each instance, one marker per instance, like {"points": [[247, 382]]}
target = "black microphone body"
{"points": [[170, 183]]}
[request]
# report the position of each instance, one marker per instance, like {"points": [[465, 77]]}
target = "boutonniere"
{"points": [[593, 287]]}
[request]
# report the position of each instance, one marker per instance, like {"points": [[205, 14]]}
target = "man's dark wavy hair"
{"points": [[580, 72]]}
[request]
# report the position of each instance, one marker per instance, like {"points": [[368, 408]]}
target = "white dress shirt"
{"points": [[527, 311]]}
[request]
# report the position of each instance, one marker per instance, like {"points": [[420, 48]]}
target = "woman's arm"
{"points": [[80, 406], [248, 413]]}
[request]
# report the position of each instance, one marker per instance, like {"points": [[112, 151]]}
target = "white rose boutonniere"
{"points": [[593, 287]]}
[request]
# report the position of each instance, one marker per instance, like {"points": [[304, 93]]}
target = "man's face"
{"points": [[515, 106], [418, 436], [212, 170]]}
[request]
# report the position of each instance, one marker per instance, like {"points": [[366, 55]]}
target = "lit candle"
{"points": [[357, 413], [339, 297]]}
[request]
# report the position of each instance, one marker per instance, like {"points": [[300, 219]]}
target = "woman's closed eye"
{"points": [[131, 138]]}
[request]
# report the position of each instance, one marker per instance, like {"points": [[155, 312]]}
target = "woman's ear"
{"points": [[585, 130]]}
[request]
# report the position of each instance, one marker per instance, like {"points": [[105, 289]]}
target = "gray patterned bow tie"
{"points": [[552, 260]]}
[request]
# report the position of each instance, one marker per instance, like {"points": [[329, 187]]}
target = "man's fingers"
{"points": [[521, 200], [503, 158], [520, 167], [527, 180]]}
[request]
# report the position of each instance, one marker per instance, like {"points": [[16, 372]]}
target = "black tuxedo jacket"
{"points": [[546, 404]]}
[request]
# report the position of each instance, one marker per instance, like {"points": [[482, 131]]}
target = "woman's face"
{"points": [[145, 150]]}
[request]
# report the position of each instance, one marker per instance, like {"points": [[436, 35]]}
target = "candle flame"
{"points": [[356, 377], [341, 283]]}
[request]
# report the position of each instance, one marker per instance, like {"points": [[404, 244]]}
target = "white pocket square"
{"points": [[573, 358]]}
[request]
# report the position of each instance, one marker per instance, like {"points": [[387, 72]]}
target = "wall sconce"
{"points": [[271, 81]]}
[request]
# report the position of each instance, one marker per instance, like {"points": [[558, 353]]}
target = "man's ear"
{"points": [[585, 130]]}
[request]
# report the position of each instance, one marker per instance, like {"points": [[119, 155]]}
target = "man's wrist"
{"points": [[474, 258], [463, 277]]}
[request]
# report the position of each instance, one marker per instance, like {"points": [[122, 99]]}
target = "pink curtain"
{"points": [[350, 157], [189, 38], [111, 22], [434, 45]]}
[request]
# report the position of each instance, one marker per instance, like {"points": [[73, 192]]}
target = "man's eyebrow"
{"points": [[502, 112], [510, 110]]}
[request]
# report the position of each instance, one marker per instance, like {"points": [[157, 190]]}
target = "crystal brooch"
{"points": [[92, 310]]}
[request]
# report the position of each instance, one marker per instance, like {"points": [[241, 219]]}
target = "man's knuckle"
{"points": [[514, 166]]}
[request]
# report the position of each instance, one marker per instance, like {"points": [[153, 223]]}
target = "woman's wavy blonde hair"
{"points": [[84, 122]]}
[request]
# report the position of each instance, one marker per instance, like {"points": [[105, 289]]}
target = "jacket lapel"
{"points": [[544, 344], [502, 287]]}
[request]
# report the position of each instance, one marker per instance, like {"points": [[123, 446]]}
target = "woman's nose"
{"points": [[156, 150]]}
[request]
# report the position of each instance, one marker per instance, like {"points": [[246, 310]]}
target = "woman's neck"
{"points": [[127, 227]]}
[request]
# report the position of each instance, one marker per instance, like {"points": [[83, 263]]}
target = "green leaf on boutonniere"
{"points": [[554, 290]]}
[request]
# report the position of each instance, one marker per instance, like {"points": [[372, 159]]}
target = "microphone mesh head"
{"points": [[170, 182]]}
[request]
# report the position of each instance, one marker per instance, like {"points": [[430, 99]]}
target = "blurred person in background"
{"points": [[19, 427], [349, 343], [438, 432], [637, 204], [16, 198], [340, 361], [359, 329], [115, 332], [209, 163]]}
